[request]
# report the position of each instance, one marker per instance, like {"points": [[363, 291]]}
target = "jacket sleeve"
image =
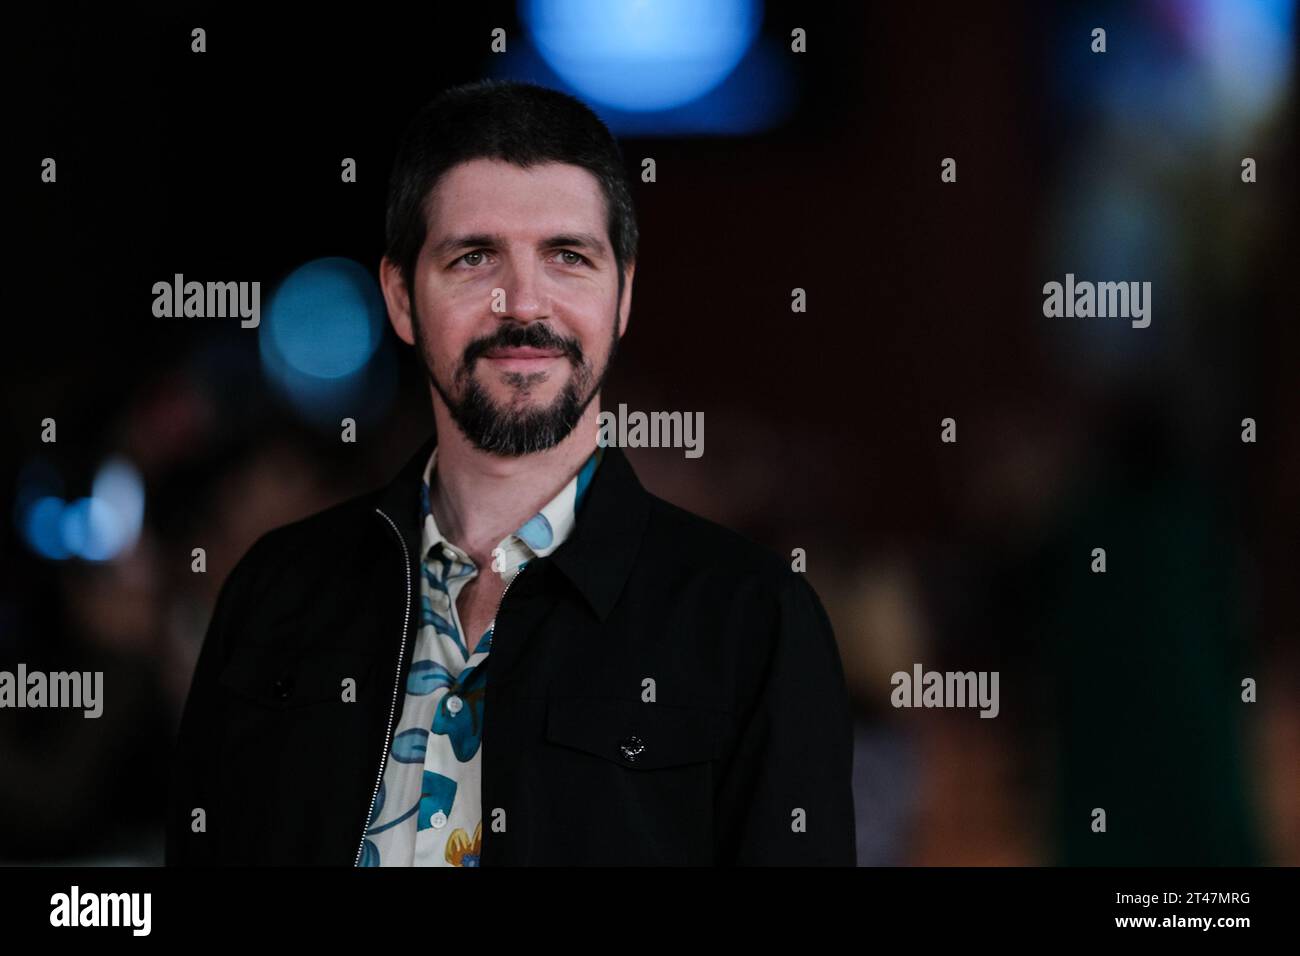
{"points": [[194, 769], [786, 796]]}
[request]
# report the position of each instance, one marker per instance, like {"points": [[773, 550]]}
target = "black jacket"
{"points": [[744, 757]]}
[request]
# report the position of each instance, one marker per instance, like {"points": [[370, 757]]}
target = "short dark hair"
{"points": [[518, 122]]}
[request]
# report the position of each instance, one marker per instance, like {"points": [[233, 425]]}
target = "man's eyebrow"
{"points": [[452, 243], [581, 240]]}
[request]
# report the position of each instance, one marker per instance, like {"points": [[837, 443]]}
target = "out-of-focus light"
{"points": [[321, 340], [1247, 47], [640, 55], [42, 527], [96, 528], [324, 319], [1185, 72], [1108, 228], [758, 95], [90, 529], [119, 488]]}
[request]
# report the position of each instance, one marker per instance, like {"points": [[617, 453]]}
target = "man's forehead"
{"points": [[477, 182], [493, 197]]}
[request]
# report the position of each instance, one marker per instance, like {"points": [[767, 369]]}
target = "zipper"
{"points": [[492, 628], [397, 680]]}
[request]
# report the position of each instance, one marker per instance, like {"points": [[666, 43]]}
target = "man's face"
{"points": [[516, 311]]}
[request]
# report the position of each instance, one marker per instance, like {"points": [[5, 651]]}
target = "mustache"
{"points": [[534, 335]]}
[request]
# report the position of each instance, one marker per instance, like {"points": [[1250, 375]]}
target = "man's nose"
{"points": [[525, 298]]}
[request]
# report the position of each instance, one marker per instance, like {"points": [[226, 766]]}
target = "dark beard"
{"points": [[499, 430]]}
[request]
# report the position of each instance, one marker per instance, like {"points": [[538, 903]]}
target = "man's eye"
{"points": [[576, 260], [469, 257]]}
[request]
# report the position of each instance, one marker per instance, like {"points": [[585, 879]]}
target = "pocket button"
{"points": [[283, 687], [632, 748]]}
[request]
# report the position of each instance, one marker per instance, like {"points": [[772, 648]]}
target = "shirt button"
{"points": [[438, 820], [454, 704], [283, 687]]}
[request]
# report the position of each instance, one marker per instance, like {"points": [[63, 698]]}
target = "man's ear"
{"points": [[625, 304], [397, 299]]}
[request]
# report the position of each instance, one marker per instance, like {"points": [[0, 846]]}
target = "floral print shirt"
{"points": [[429, 808]]}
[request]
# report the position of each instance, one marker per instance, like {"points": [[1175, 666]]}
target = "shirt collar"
{"points": [[599, 554], [537, 537]]}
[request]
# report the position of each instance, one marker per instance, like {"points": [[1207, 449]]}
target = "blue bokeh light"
{"points": [[641, 56], [119, 488], [325, 318], [322, 345], [42, 526], [91, 529], [99, 527]]}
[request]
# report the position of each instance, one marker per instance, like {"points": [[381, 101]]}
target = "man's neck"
{"points": [[478, 499]]}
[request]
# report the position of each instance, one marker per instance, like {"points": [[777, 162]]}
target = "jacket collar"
{"points": [[598, 555], [399, 500]]}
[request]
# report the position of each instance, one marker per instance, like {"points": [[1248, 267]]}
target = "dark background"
{"points": [[822, 428]]}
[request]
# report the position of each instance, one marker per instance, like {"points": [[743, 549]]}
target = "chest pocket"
{"points": [[634, 734], [289, 684]]}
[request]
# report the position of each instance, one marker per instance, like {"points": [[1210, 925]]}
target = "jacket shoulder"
{"points": [[325, 524], [321, 536], [700, 545]]}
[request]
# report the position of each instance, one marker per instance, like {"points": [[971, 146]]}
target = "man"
{"points": [[513, 654]]}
